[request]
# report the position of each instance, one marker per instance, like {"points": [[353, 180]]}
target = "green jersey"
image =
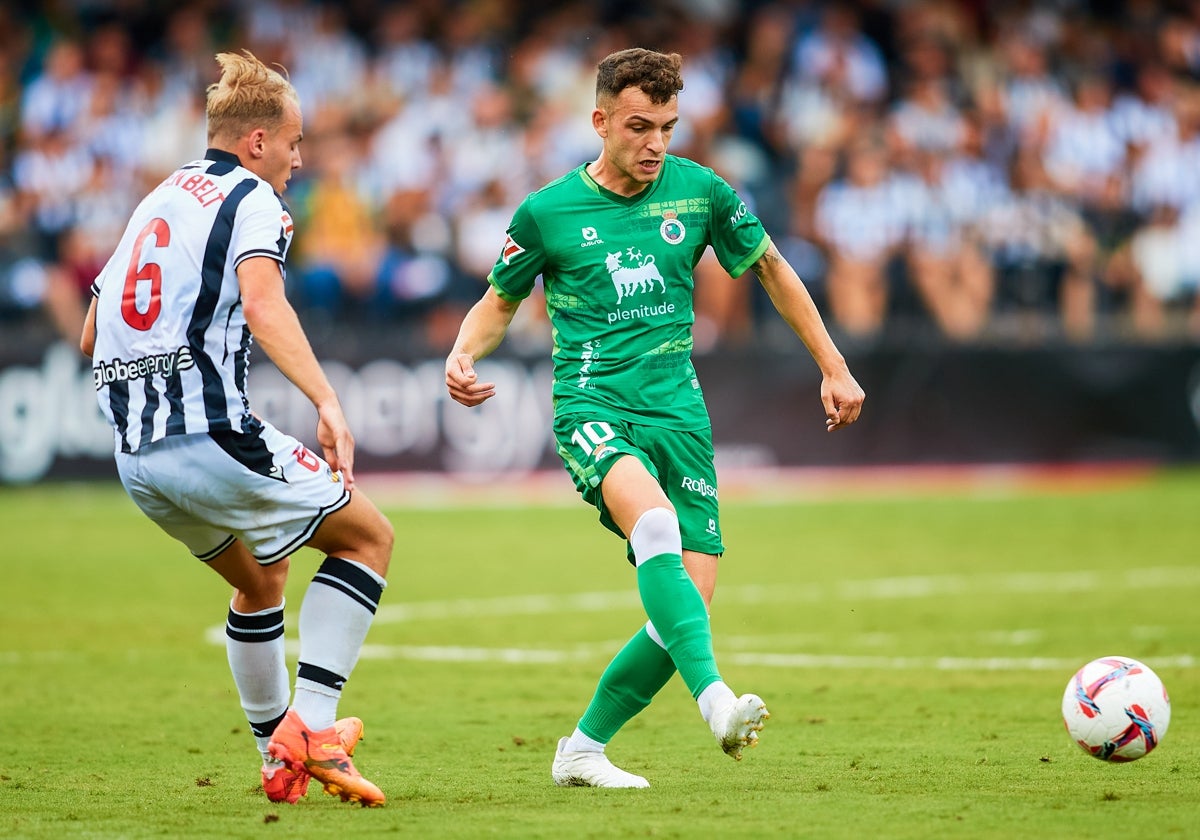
{"points": [[618, 280]]}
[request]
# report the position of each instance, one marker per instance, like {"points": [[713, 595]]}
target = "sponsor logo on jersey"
{"points": [[590, 237], [672, 230], [162, 364], [288, 227], [510, 250], [589, 354], [699, 485], [634, 273], [738, 215]]}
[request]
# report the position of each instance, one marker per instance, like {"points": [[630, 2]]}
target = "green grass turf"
{"points": [[913, 652]]}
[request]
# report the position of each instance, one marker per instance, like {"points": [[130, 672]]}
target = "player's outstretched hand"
{"points": [[463, 383], [842, 397], [337, 443]]}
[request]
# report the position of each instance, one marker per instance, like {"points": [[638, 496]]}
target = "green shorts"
{"points": [[681, 462]]}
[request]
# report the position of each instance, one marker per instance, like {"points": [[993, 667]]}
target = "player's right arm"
{"points": [[276, 328], [481, 332], [522, 259]]}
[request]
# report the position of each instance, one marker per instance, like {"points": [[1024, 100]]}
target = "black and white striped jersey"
{"points": [[172, 345]]}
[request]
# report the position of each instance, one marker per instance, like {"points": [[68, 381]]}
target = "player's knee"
{"points": [[655, 533], [386, 541], [274, 578], [380, 538], [264, 590]]}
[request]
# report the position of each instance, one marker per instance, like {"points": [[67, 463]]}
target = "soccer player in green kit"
{"points": [[615, 242]]}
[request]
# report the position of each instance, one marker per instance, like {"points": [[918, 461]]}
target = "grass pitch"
{"points": [[913, 652]]}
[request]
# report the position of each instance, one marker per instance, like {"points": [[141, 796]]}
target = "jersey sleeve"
{"points": [[98, 282], [738, 237], [522, 258], [263, 229]]}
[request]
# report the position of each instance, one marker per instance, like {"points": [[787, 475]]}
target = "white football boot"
{"points": [[738, 725], [590, 769]]}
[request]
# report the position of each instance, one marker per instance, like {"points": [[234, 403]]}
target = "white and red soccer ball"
{"points": [[1116, 708]]}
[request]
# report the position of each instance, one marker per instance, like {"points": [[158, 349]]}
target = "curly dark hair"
{"points": [[655, 74]]}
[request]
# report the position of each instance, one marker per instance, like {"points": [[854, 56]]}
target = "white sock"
{"points": [[712, 699], [317, 708], [578, 742], [254, 644], [654, 637], [334, 618], [655, 533]]}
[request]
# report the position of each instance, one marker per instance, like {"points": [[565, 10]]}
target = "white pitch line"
{"points": [[870, 589], [511, 605], [840, 662], [791, 661], [887, 588]]}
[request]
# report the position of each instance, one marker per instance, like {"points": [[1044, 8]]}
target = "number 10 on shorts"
{"points": [[592, 436]]}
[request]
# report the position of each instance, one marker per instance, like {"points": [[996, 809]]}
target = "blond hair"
{"points": [[249, 95]]}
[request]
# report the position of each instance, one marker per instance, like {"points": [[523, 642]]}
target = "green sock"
{"points": [[677, 611], [626, 687]]}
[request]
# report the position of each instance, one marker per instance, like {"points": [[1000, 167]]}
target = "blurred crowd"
{"points": [[951, 169]]}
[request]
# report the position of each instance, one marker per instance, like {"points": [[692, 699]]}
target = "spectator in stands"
{"points": [[1084, 151], [56, 96], [1030, 92], [417, 270], [784, 101], [1146, 112], [926, 117], [405, 58], [1043, 253], [32, 287], [860, 222], [342, 248], [48, 172], [840, 58], [1158, 269], [947, 268]]}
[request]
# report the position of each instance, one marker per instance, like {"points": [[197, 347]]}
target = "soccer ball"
{"points": [[1116, 709]]}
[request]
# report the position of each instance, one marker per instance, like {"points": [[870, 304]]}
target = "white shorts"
{"points": [[206, 490]]}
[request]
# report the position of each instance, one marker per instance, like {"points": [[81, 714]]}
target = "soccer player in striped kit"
{"points": [[615, 242], [198, 275]]}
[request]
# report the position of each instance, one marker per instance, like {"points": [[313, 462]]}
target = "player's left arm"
{"points": [[276, 328], [841, 395], [87, 340]]}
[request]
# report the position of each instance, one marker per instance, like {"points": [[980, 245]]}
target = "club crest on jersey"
{"points": [[671, 229], [603, 451], [510, 250]]}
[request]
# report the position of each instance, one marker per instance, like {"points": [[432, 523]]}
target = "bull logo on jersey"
{"points": [[633, 272]]}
